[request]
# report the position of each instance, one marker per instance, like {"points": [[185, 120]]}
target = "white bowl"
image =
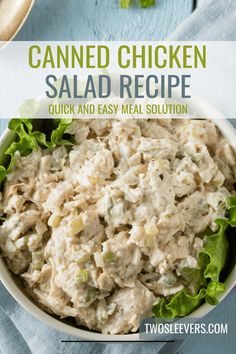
{"points": [[13, 14], [205, 110]]}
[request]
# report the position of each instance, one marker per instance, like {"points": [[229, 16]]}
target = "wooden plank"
{"points": [[200, 2], [103, 20]]}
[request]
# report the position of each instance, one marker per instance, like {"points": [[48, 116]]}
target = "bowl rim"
{"points": [[12, 35], [226, 128]]}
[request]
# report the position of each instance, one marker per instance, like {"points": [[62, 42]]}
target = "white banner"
{"points": [[111, 79]]}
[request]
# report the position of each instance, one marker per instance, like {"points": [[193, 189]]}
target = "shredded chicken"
{"points": [[100, 230]]}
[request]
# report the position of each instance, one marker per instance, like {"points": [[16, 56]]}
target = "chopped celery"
{"points": [[82, 276], [108, 257], [91, 295], [37, 260]]}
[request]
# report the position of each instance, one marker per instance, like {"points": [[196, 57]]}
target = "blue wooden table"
{"points": [[103, 20]]}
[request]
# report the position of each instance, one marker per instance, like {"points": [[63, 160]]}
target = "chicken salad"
{"points": [[106, 228]]}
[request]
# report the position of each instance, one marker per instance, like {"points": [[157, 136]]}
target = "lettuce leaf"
{"points": [[211, 260], [232, 211], [179, 305], [29, 140], [125, 4], [3, 173], [214, 288], [195, 277], [146, 3], [213, 256]]}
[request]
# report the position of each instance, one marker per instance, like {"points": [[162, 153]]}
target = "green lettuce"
{"points": [[28, 139], [146, 3], [211, 260], [3, 173], [213, 256], [232, 211], [125, 4], [179, 305]]}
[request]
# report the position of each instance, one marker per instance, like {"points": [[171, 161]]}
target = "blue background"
{"points": [[103, 20]]}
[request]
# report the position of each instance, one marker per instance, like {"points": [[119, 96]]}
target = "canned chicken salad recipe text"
{"points": [[135, 57]]}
